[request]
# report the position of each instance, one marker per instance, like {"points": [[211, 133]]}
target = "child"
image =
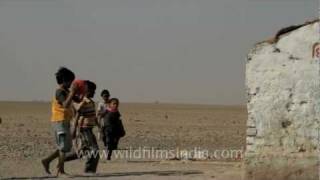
{"points": [[61, 116], [112, 126], [101, 111], [85, 121]]}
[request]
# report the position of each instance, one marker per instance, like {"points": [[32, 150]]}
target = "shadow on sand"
{"points": [[155, 173]]}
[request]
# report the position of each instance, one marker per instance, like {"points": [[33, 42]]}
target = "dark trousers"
{"points": [[89, 148], [110, 140]]}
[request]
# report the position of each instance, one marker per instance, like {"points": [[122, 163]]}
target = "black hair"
{"points": [[64, 75], [105, 92], [114, 99], [91, 85]]}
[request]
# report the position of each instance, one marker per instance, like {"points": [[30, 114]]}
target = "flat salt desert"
{"points": [[26, 136]]}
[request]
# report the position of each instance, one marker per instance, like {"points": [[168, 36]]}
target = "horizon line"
{"points": [[130, 102]]}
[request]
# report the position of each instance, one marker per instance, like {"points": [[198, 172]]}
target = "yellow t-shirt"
{"points": [[59, 113]]}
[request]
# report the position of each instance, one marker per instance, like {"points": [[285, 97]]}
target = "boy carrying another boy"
{"points": [[61, 116], [84, 122]]}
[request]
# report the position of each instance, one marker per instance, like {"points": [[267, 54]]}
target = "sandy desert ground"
{"points": [[26, 137]]}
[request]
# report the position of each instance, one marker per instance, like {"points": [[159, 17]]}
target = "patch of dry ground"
{"points": [[26, 137]]}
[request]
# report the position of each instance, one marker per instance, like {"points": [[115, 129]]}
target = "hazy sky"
{"points": [[187, 51]]}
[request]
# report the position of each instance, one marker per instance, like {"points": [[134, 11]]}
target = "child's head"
{"points": [[105, 94], [81, 87], [65, 77], [113, 103], [91, 89]]}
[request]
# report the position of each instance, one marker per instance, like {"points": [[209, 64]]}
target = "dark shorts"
{"points": [[63, 135]]}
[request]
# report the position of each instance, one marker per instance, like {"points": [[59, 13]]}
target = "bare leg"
{"points": [[71, 156], [109, 154], [46, 162], [60, 165]]}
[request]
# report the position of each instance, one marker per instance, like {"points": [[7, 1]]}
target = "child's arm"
{"points": [[68, 101], [98, 120], [77, 118], [78, 106], [98, 123], [75, 126], [101, 111]]}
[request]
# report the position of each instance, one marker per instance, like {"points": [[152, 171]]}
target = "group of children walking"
{"points": [[73, 101]]}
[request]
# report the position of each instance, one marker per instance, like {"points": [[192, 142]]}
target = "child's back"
{"points": [[87, 113]]}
